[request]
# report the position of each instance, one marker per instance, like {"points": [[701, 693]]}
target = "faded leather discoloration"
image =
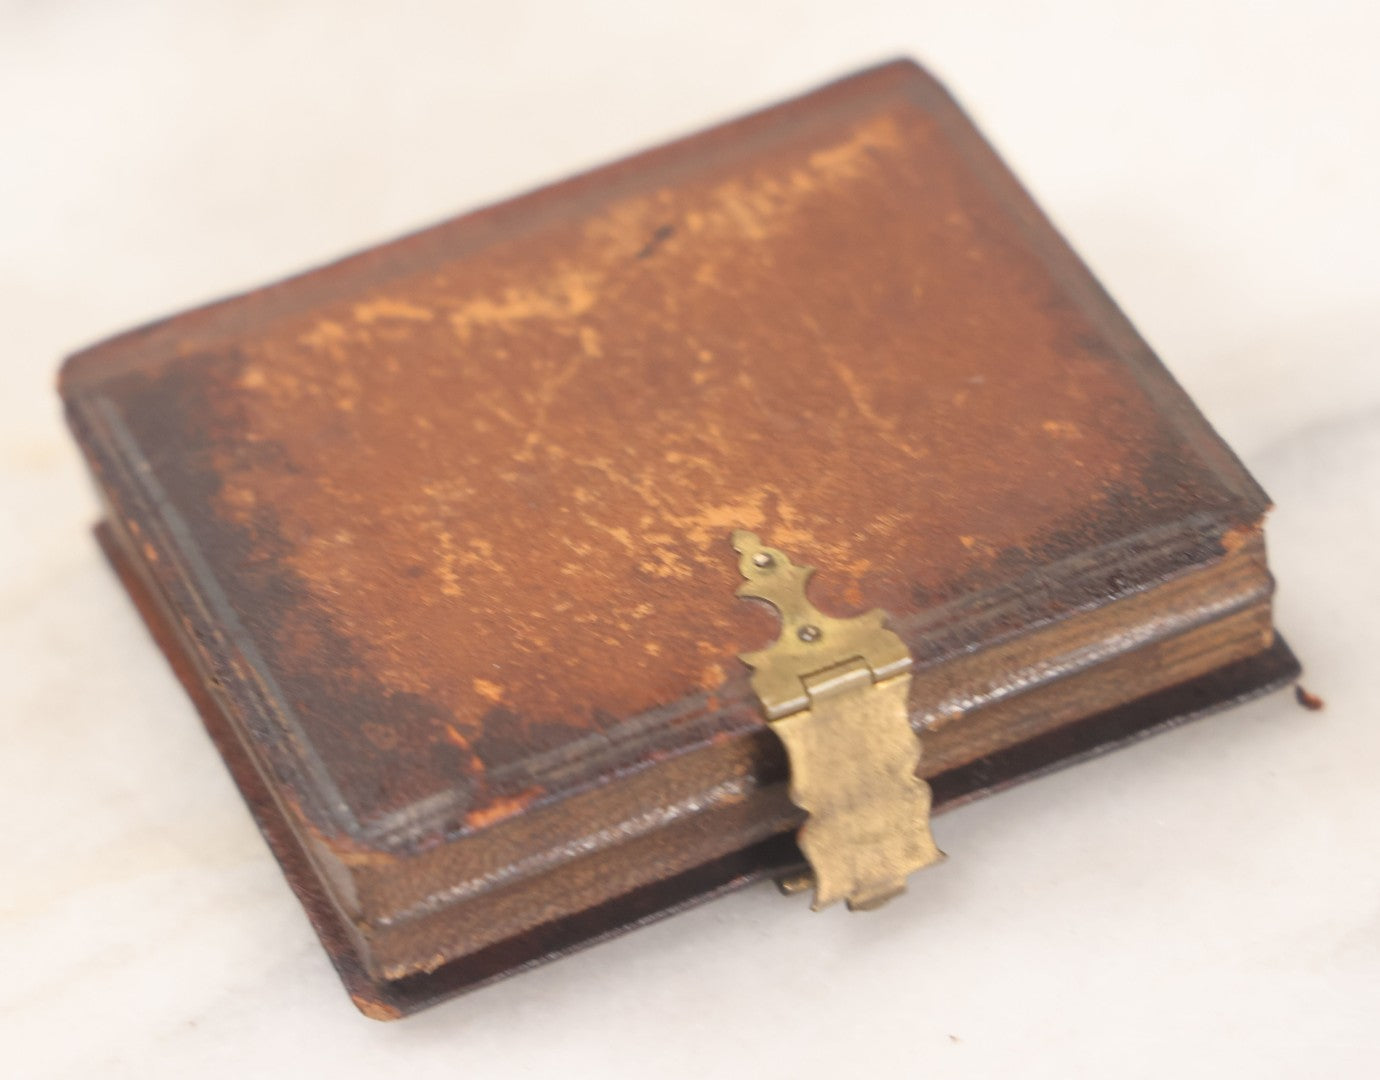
{"points": [[469, 495]]}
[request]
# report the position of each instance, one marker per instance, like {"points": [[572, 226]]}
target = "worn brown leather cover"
{"points": [[438, 534]]}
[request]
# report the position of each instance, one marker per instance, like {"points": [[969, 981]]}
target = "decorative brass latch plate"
{"points": [[835, 692]]}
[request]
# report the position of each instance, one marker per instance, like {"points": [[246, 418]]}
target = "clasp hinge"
{"points": [[835, 692]]}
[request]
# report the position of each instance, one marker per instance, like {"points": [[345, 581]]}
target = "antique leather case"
{"points": [[438, 537]]}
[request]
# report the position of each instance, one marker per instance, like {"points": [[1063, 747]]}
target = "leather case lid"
{"points": [[448, 520]]}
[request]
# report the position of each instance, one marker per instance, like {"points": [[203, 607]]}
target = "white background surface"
{"points": [[1205, 904]]}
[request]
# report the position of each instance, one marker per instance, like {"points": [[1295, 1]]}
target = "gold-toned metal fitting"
{"points": [[835, 692]]}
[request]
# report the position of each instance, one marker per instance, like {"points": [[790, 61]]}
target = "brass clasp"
{"points": [[835, 692]]}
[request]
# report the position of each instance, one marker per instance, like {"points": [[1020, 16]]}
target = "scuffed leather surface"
{"points": [[465, 499]]}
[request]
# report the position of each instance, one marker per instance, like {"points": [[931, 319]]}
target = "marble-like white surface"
{"points": [[1205, 904]]}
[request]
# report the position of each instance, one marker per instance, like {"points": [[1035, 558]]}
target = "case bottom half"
{"points": [[384, 999]]}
